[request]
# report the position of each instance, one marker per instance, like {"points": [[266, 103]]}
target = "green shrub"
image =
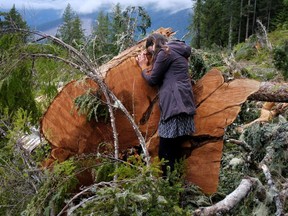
{"points": [[244, 51], [280, 58], [201, 62]]}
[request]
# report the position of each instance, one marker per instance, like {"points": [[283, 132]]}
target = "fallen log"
{"points": [[218, 104], [272, 92]]}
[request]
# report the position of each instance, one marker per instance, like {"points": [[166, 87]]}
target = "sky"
{"points": [[89, 6]]}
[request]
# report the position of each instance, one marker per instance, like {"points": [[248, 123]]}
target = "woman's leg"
{"points": [[170, 151]]}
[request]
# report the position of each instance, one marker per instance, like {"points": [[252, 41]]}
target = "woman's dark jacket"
{"points": [[170, 73]]}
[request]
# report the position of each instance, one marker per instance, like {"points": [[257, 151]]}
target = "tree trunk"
{"points": [[230, 28], [269, 14], [247, 21], [197, 23], [240, 22], [272, 92], [254, 16]]}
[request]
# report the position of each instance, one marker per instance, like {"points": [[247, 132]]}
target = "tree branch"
{"points": [[273, 190], [80, 193], [230, 201], [243, 144]]}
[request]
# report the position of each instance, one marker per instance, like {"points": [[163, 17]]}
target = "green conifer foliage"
{"points": [[71, 31], [15, 73], [102, 46], [280, 55]]}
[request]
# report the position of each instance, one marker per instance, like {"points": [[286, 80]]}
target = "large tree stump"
{"points": [[68, 132], [218, 104]]}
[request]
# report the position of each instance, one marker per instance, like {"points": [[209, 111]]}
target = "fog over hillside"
{"points": [[48, 22], [90, 6], [48, 17]]}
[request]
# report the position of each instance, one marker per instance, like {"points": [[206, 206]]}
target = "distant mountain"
{"points": [[178, 21], [49, 20]]}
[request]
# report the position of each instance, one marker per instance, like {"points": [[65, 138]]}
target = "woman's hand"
{"points": [[142, 60]]}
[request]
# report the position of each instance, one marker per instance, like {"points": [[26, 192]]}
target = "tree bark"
{"points": [[269, 14], [240, 21], [271, 91], [230, 29], [247, 20], [254, 16]]}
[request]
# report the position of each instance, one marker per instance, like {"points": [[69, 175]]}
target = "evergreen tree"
{"points": [[214, 25], [71, 31], [224, 23], [78, 32], [240, 21], [127, 25], [102, 46], [118, 30], [15, 83], [281, 20], [15, 72], [196, 23], [136, 21], [13, 20], [280, 16], [230, 33]]}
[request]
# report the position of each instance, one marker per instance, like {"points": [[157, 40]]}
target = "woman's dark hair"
{"points": [[160, 42]]}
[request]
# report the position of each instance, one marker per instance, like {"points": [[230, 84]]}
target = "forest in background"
{"points": [[226, 23], [242, 38]]}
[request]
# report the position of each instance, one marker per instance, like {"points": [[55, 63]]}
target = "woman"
{"points": [[170, 73]]}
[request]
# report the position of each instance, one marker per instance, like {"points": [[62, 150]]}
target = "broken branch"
{"points": [[230, 201]]}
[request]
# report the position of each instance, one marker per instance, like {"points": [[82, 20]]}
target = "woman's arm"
{"points": [[159, 69]]}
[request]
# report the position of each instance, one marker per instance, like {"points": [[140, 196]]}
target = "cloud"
{"points": [[31, 4], [89, 6]]}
